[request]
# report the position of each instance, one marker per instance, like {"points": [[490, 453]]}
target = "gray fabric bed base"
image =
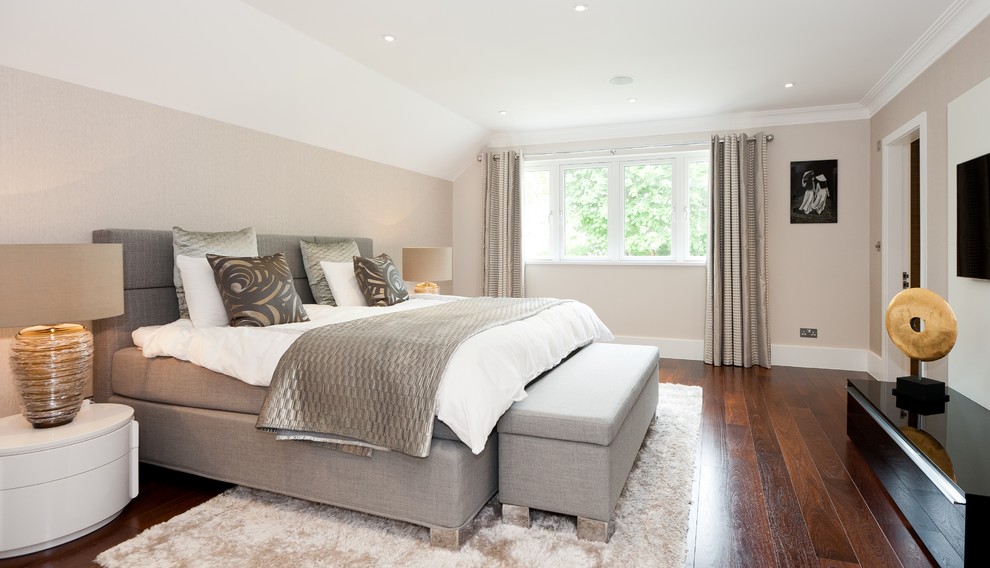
{"points": [[443, 491], [170, 381]]}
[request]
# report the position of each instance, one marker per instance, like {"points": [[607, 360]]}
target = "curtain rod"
{"points": [[613, 150], [623, 148]]}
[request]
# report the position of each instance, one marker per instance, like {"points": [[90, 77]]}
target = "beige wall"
{"points": [[960, 69], [74, 159], [818, 273], [468, 219], [969, 137]]}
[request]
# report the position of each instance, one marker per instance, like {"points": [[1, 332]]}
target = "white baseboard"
{"points": [[842, 359], [838, 358], [875, 366], [690, 349]]}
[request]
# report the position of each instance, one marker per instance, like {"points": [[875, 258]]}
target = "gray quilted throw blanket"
{"points": [[375, 379]]}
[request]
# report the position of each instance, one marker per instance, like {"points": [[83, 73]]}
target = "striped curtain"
{"points": [[502, 265], [737, 330]]}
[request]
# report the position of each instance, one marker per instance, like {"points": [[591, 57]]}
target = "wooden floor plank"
{"points": [[793, 545], [711, 538], [868, 541], [736, 412], [832, 418], [827, 535], [893, 524], [826, 563]]}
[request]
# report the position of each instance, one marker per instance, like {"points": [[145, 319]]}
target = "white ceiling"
{"points": [[319, 71]]}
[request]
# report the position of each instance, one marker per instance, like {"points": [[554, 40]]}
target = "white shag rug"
{"points": [[249, 528]]}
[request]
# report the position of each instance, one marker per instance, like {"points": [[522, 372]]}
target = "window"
{"points": [[536, 213], [646, 208]]}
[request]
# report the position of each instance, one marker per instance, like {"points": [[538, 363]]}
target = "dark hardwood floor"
{"points": [[778, 483]]}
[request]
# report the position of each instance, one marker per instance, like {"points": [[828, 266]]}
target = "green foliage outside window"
{"points": [[649, 206], [586, 211]]}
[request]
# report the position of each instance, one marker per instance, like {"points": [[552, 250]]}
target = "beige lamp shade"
{"points": [[427, 265], [44, 284], [51, 285]]}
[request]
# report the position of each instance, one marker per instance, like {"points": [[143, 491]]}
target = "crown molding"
{"points": [[958, 20], [810, 115]]}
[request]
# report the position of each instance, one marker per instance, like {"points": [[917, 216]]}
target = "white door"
{"points": [[896, 243]]}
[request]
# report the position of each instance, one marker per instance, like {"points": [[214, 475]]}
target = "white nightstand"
{"points": [[58, 484]]}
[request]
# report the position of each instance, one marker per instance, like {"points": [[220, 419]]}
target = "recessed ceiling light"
{"points": [[503, 112], [580, 7], [632, 100], [388, 37], [620, 80], [789, 85]]}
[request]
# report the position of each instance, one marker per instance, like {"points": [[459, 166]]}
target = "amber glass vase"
{"points": [[51, 365]]}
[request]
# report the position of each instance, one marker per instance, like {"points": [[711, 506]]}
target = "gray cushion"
{"points": [[198, 244], [587, 397], [257, 291], [315, 252]]}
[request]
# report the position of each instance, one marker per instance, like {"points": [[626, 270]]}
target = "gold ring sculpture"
{"points": [[921, 324]]}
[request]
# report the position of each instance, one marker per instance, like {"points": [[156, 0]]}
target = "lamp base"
{"points": [[51, 365], [427, 288]]}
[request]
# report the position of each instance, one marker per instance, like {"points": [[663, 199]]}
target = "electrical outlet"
{"points": [[811, 332]]}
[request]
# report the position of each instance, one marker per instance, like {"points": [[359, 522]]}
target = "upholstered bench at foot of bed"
{"points": [[569, 445]]}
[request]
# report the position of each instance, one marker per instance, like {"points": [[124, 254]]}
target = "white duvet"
{"points": [[485, 375]]}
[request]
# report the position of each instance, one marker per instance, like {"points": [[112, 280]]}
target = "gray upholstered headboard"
{"points": [[149, 294]]}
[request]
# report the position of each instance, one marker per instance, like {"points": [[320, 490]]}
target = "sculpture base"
{"points": [[920, 389]]}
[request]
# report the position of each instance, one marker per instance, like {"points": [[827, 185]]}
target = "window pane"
{"points": [[698, 208], [586, 211], [536, 214], [649, 205]]}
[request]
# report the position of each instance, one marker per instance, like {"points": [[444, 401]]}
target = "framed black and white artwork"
{"points": [[815, 191]]}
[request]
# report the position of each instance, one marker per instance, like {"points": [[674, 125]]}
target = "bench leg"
{"points": [[452, 539], [598, 531], [515, 515]]}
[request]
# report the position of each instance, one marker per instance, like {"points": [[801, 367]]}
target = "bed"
{"points": [[203, 422]]}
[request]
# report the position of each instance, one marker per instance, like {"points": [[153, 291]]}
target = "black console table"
{"points": [[934, 462]]}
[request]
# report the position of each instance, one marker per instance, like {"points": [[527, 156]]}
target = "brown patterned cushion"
{"points": [[380, 281], [257, 291]]}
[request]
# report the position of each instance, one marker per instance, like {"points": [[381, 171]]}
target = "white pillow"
{"points": [[343, 283], [206, 307]]}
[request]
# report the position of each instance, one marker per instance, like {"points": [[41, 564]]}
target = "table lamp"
{"points": [[427, 265], [52, 362]]}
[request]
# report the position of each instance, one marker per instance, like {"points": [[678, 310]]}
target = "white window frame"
{"points": [[680, 240]]}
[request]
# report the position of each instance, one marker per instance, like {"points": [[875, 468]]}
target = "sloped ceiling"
{"points": [[318, 71], [226, 60]]}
